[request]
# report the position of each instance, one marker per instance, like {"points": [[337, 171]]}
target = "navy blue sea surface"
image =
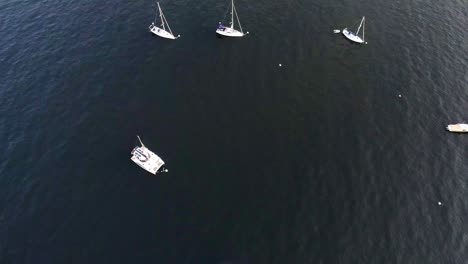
{"points": [[317, 161]]}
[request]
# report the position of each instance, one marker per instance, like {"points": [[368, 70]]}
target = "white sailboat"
{"points": [[146, 159], [458, 128], [354, 37], [231, 31], [164, 31]]}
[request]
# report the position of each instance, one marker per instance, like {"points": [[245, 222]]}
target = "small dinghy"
{"points": [[162, 31], [458, 128], [146, 159], [231, 31], [354, 37], [336, 31]]}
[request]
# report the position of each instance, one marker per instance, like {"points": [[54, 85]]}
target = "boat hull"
{"points": [[146, 159], [161, 32], [352, 37], [458, 128], [229, 32]]}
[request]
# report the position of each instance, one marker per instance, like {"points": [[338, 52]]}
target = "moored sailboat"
{"points": [[354, 37], [146, 159], [231, 31], [164, 31]]}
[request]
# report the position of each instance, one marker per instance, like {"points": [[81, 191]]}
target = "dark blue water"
{"points": [[317, 161]]}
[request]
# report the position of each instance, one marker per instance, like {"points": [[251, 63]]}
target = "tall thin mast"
{"points": [[232, 14], [156, 16], [167, 23], [238, 21], [140, 141], [161, 16], [363, 28], [357, 32]]}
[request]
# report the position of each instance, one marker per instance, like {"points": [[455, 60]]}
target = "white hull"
{"points": [[351, 36], [161, 32], [146, 159], [458, 128], [229, 32]]}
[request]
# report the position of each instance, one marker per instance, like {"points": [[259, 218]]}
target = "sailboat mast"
{"points": [[232, 14], [140, 141], [167, 23], [161, 16], [238, 21], [363, 28], [156, 17], [357, 32]]}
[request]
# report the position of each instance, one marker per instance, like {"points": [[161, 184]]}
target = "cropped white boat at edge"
{"points": [[458, 128], [146, 159]]}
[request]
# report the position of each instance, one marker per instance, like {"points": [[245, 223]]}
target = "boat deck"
{"points": [[146, 159], [351, 36], [460, 128], [161, 32], [228, 31]]}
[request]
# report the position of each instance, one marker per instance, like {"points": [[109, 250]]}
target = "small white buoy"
{"points": [[439, 203], [399, 95], [280, 65]]}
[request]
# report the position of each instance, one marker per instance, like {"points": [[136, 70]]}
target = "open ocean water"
{"points": [[317, 161]]}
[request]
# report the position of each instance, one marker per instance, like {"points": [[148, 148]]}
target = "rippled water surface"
{"points": [[317, 161]]}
